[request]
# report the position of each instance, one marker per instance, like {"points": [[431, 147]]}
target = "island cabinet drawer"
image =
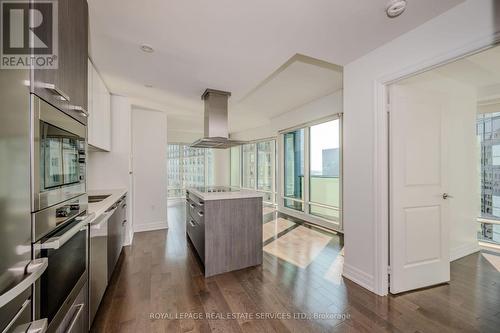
{"points": [[197, 201], [196, 232], [194, 211]]}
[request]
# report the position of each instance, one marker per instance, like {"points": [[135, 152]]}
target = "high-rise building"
{"points": [[331, 162]]}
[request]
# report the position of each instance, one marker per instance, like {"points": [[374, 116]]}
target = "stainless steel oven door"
{"points": [[67, 271], [59, 156]]}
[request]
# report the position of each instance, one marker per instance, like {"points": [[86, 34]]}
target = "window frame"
{"points": [[273, 192], [306, 204]]}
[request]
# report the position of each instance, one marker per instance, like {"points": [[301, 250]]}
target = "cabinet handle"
{"points": [[191, 205], [192, 223], [200, 213], [52, 87], [124, 221], [76, 317], [80, 109]]}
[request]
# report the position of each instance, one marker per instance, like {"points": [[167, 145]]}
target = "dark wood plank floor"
{"points": [[158, 280]]}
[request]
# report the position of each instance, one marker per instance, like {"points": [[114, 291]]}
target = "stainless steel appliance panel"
{"points": [[66, 251], [59, 155], [17, 272], [98, 267], [47, 220], [76, 319], [114, 236]]}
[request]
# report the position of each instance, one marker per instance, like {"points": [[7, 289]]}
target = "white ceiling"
{"points": [[235, 46], [481, 70]]}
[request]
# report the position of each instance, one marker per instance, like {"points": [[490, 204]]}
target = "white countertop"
{"points": [[100, 207], [226, 195]]}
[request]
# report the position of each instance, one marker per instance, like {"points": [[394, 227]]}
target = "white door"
{"points": [[418, 213]]}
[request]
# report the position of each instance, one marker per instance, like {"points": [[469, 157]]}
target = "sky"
{"points": [[323, 136]]}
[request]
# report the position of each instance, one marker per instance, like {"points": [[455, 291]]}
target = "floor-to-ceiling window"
{"points": [[488, 133], [253, 167], [187, 167], [236, 166], [293, 191], [265, 169], [248, 166], [324, 174], [312, 170]]}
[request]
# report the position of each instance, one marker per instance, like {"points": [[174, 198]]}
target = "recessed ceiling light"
{"points": [[395, 8], [147, 85], [147, 48]]}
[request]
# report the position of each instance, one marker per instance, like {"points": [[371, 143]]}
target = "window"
{"points": [[249, 166], [253, 167], [312, 171], [265, 169], [488, 133], [294, 169], [235, 166], [188, 167], [324, 175]]}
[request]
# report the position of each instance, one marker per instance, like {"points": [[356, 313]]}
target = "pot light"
{"points": [[395, 8], [147, 48]]}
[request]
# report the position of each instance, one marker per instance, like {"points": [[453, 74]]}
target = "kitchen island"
{"points": [[225, 227]]}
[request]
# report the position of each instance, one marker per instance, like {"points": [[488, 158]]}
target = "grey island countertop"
{"points": [[223, 193]]}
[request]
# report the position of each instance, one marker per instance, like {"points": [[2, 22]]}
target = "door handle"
{"points": [[52, 87], [35, 269], [446, 196]]}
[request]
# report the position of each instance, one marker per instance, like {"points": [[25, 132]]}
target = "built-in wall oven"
{"points": [[59, 156], [60, 234]]}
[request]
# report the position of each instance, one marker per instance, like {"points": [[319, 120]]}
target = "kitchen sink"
{"points": [[98, 198]]}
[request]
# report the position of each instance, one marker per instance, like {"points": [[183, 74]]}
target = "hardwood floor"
{"points": [[158, 286]]}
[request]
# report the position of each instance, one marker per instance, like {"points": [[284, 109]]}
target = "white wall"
{"points": [[181, 136], [110, 170], [322, 107], [457, 30], [149, 151], [462, 156]]}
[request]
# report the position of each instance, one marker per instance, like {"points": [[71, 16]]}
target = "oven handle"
{"points": [[56, 242], [35, 269]]}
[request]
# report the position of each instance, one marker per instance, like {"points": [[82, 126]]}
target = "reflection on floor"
{"points": [[494, 260], [158, 286], [299, 246], [268, 209], [273, 228]]}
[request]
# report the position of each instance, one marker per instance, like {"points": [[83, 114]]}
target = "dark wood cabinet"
{"points": [[66, 86]]}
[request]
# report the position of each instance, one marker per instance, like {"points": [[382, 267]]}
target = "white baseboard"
{"points": [[151, 226], [463, 250], [359, 277]]}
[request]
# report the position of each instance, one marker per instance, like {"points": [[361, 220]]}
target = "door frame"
{"points": [[381, 170]]}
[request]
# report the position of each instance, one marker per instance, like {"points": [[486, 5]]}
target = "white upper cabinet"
{"points": [[99, 108]]}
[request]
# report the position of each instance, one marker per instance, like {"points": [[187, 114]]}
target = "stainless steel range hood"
{"points": [[216, 127]]}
